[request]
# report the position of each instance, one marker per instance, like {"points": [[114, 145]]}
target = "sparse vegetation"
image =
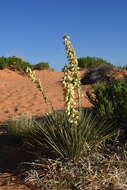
{"points": [[14, 63], [18, 64]]}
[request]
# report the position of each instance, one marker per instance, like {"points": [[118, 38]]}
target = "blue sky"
{"points": [[33, 29]]}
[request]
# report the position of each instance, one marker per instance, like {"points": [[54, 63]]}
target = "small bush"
{"points": [[3, 66], [97, 74], [41, 66], [14, 63], [86, 62], [91, 62], [3, 63], [110, 100]]}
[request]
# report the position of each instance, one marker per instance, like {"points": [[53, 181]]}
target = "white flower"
{"points": [[71, 83]]}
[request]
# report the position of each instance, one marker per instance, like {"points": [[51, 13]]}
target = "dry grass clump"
{"points": [[97, 171]]}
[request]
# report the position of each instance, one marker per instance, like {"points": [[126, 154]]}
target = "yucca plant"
{"points": [[71, 142], [70, 133], [55, 133]]}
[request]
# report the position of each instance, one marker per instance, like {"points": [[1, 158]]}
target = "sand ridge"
{"points": [[18, 94]]}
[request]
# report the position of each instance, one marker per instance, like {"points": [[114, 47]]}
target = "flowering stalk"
{"points": [[71, 83], [37, 82]]}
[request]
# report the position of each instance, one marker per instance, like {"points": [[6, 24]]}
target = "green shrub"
{"points": [[3, 63], [97, 74], [85, 62], [110, 100], [14, 63], [41, 66]]}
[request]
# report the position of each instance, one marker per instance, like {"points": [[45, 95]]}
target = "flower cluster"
{"points": [[71, 83], [37, 82]]}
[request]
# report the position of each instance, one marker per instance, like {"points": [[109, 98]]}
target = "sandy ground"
{"points": [[18, 94]]}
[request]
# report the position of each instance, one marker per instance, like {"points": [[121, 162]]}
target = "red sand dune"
{"points": [[18, 94]]}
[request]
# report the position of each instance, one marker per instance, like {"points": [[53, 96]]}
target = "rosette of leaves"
{"points": [[54, 135]]}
